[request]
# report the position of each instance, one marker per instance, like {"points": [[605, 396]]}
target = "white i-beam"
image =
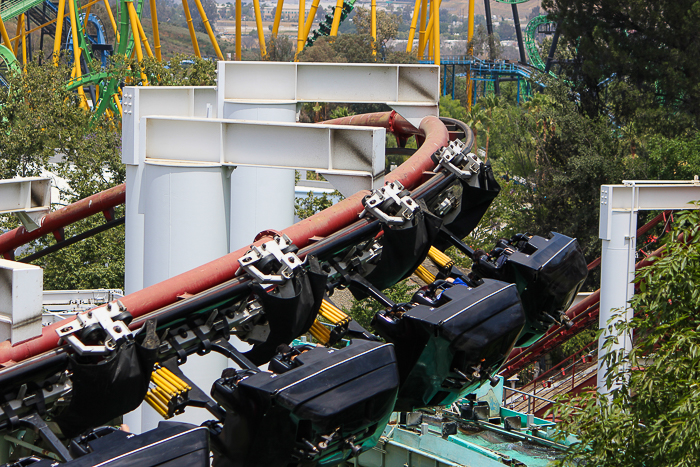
{"points": [[619, 205]]}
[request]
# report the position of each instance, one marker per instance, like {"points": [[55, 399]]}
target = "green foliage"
{"points": [[364, 310], [48, 130], [651, 419], [307, 207], [345, 48], [387, 24], [674, 158], [180, 70], [280, 49], [562, 156], [649, 48], [452, 108], [341, 111]]}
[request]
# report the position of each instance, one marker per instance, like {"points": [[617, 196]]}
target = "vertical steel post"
{"points": [[154, 25], [552, 49], [278, 18], [519, 34], [422, 26], [190, 27], [239, 6], [373, 26], [470, 35], [310, 19], [436, 30], [259, 26], [617, 273], [210, 31], [336, 18], [412, 30], [300, 26]]}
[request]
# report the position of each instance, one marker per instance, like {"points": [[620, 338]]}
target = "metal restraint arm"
{"points": [[457, 243]]}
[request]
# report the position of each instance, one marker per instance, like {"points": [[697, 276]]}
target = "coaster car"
{"points": [[451, 339], [318, 406], [172, 444], [548, 273]]}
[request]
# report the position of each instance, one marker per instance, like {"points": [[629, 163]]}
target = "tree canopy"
{"points": [[649, 48], [51, 133], [653, 417]]}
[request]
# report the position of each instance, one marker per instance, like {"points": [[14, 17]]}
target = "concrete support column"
{"points": [[616, 287], [261, 198]]}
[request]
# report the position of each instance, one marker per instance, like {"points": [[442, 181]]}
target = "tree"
{"points": [[320, 13], [452, 108], [210, 10], [45, 128], [649, 51], [387, 24], [280, 49], [651, 419], [345, 48], [45, 120]]}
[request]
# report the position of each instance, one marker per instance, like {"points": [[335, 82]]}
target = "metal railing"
{"points": [[530, 397], [565, 367]]}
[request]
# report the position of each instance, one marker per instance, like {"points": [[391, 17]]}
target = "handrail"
{"points": [[559, 365], [527, 394]]}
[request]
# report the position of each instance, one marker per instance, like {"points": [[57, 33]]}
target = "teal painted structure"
{"points": [[477, 443]]}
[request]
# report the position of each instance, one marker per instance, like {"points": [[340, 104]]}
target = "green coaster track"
{"points": [[93, 74], [324, 28], [533, 54]]}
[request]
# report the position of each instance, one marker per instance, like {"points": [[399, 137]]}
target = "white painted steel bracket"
{"points": [[350, 157], [29, 198], [21, 287], [619, 205], [178, 101], [411, 90]]}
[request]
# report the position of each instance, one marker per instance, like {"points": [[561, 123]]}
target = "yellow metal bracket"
{"points": [[166, 392]]}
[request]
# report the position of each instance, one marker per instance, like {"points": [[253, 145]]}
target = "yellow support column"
{"points": [[421, 28], [436, 30], [414, 22], [23, 29], [310, 19], [429, 36], [210, 32], [238, 29], [144, 39], [137, 43], [470, 36], [261, 32], [111, 19], [300, 27], [59, 30], [190, 26], [5, 36], [278, 18], [336, 18], [18, 36], [373, 14], [76, 50], [154, 25]]}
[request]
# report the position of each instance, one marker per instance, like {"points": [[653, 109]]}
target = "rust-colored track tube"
{"points": [[223, 269], [62, 217]]}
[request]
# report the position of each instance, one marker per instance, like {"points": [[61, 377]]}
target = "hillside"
{"points": [[460, 7]]}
